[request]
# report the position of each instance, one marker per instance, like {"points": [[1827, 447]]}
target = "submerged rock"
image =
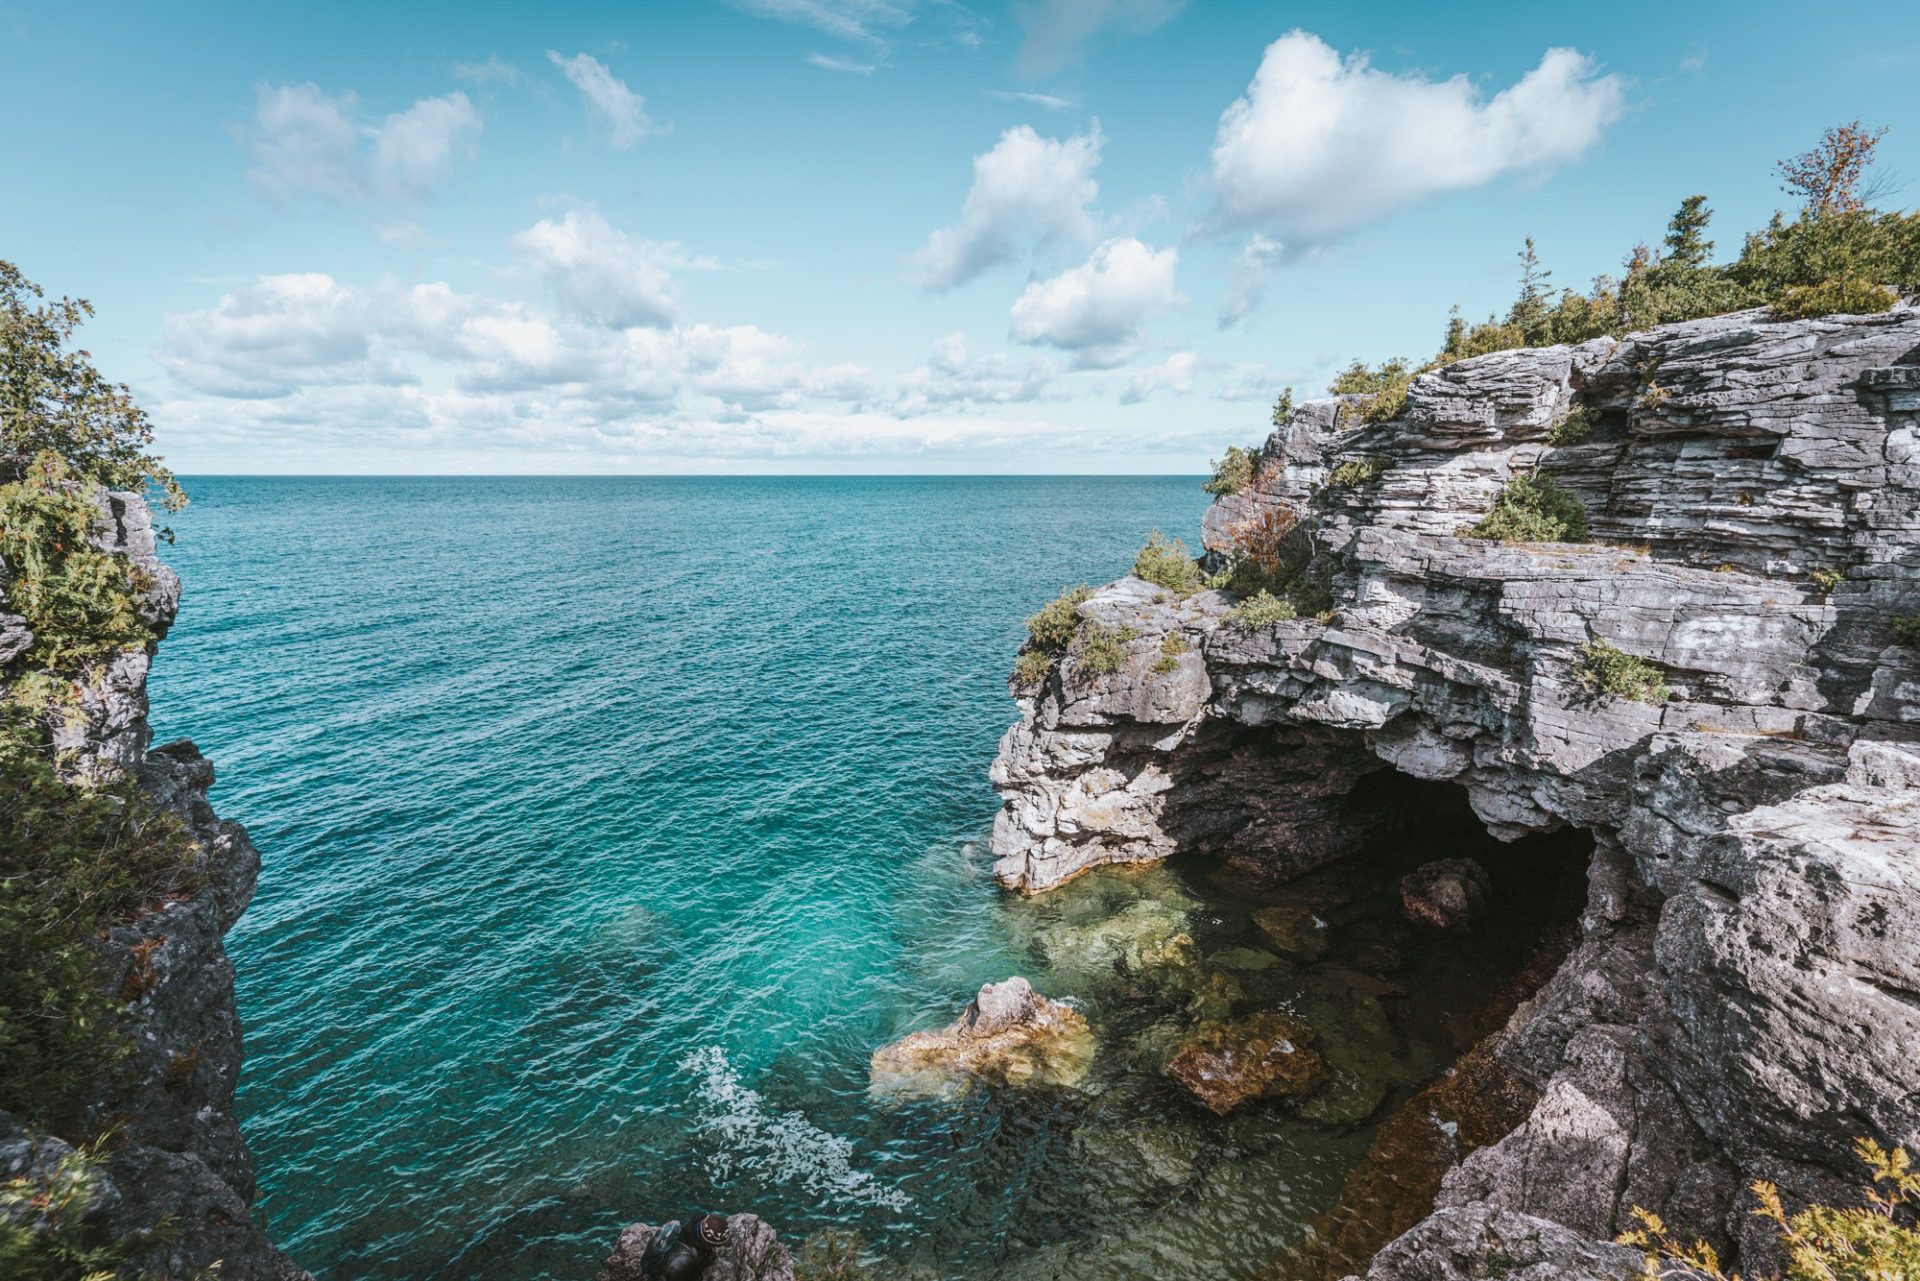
{"points": [[1295, 929], [1262, 1056], [752, 1253], [1451, 894], [1008, 1035]]}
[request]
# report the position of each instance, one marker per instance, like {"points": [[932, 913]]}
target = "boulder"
{"points": [[1450, 894], [1263, 1056], [752, 1253], [1008, 1035]]}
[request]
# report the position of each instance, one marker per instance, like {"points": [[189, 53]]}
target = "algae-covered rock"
{"points": [[1141, 1161], [1008, 1035], [1294, 929], [1263, 1056]]}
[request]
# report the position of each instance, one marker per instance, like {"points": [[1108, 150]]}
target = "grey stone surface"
{"points": [[1745, 998]]}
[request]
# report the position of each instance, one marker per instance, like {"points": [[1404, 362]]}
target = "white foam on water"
{"points": [[781, 1147]]}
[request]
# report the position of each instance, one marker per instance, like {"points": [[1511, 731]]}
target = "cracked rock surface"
{"points": [[1745, 999]]}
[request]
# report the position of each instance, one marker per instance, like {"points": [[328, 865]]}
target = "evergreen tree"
{"points": [[1686, 243]]}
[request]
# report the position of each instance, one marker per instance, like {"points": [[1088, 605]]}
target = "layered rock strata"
{"points": [[1745, 999], [177, 1155]]}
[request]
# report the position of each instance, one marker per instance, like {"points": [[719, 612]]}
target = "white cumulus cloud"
{"points": [[1322, 144], [1026, 186], [305, 141], [601, 271], [1174, 374], [623, 111], [1098, 309]]}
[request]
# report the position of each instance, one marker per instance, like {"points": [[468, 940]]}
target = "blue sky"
{"points": [[856, 235]]}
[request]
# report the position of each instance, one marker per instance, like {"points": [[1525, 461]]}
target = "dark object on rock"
{"points": [[1451, 894], [746, 1249], [1262, 1056]]}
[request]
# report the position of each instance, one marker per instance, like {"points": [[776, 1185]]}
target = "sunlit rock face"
{"points": [[1008, 1035], [1742, 1002]]}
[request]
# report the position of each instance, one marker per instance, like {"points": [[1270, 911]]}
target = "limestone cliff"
{"points": [[1745, 998], [177, 1155]]}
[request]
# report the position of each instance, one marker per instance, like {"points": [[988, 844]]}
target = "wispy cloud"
{"points": [[622, 110], [865, 21], [305, 141], [1052, 102], [1058, 30], [847, 65], [492, 71]]}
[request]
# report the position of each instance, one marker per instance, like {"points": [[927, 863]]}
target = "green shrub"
{"points": [[1826, 578], [1283, 408], [1260, 610], [1839, 296], [82, 604], [1532, 509], [1906, 629], [1574, 426], [1172, 645], [44, 1230], [1052, 629], [1165, 562], [1606, 670], [1355, 471], [1102, 651], [1031, 668], [1867, 1242], [1385, 390], [1654, 397], [1234, 472]]}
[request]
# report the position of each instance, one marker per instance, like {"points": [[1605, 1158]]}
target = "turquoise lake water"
{"points": [[607, 826]]}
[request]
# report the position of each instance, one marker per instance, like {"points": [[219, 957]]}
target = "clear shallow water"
{"points": [[609, 825]]}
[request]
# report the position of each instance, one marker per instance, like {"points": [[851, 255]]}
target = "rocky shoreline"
{"points": [[1741, 1003], [176, 1156]]}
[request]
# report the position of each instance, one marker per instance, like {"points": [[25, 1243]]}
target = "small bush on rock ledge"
{"points": [[1259, 610], [1869, 1242], [1049, 632], [1574, 426], [1906, 629], [1102, 651], [1165, 562], [1532, 509], [1841, 296], [1232, 473], [1613, 672]]}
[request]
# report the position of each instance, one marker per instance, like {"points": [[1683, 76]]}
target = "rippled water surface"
{"points": [[609, 825]]}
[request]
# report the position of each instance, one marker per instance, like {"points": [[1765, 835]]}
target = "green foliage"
{"points": [[1839, 296], [1102, 651], [1654, 396], [44, 1233], [1234, 472], [1283, 408], [1574, 426], [831, 1255], [52, 399], [75, 859], [1826, 578], [1052, 629], [1172, 645], [1031, 668], [1867, 1242], [81, 603], [1532, 509], [1906, 629], [1165, 562], [1613, 672], [1384, 388], [1355, 471], [1260, 610]]}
